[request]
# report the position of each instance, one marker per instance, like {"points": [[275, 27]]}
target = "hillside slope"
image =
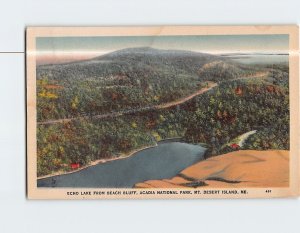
{"points": [[129, 99], [244, 168], [126, 79]]}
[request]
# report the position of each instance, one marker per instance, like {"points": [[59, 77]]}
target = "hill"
{"points": [[126, 79]]}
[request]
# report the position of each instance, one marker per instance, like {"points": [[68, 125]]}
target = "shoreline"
{"points": [[166, 140], [100, 161], [97, 162]]}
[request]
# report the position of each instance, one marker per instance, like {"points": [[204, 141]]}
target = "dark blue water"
{"points": [[161, 162]]}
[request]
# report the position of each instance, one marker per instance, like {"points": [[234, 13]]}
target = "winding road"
{"points": [[129, 111], [210, 85]]}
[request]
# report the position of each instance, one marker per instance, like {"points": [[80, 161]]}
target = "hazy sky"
{"points": [[92, 46]]}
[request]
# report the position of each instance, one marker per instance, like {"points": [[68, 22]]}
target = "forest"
{"points": [[127, 79], [245, 98]]}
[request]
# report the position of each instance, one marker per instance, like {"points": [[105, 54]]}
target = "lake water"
{"points": [[161, 162], [260, 58]]}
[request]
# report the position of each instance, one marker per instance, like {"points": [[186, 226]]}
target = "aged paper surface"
{"points": [[162, 112]]}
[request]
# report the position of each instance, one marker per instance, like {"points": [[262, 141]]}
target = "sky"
{"points": [[60, 49]]}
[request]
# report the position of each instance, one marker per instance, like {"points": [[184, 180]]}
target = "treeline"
{"points": [[237, 107], [83, 141]]}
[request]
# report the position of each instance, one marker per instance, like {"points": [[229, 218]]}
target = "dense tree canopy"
{"points": [[132, 82]]}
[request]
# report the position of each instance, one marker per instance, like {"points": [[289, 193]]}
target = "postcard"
{"points": [[162, 112]]}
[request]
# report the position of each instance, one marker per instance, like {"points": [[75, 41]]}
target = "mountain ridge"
{"points": [[137, 50]]}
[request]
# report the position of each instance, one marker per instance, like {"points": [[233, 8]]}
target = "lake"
{"points": [[161, 162], [260, 58]]}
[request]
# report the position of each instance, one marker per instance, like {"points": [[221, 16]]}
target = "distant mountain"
{"points": [[148, 51], [128, 60]]}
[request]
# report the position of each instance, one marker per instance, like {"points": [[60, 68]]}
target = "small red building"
{"points": [[235, 146], [75, 165], [238, 91]]}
